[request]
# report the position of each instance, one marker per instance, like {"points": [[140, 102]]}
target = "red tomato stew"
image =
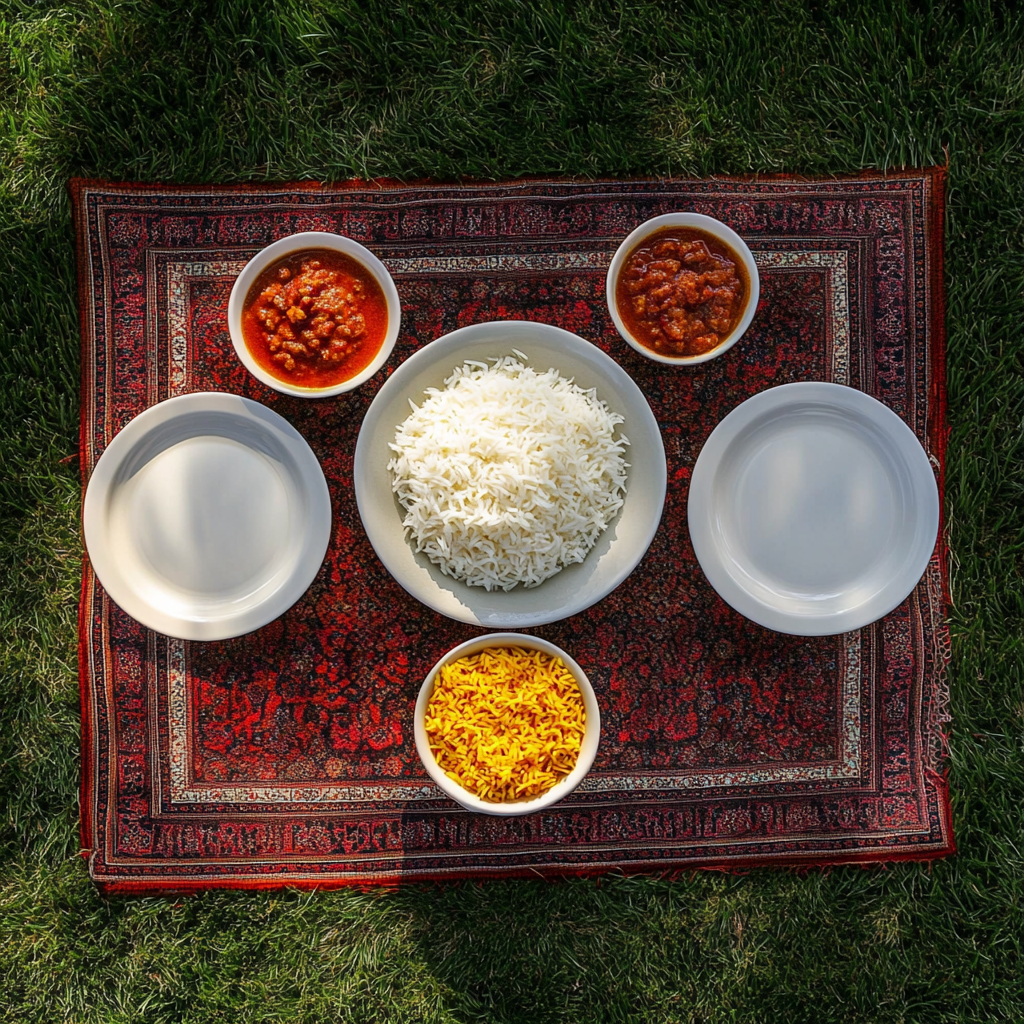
{"points": [[315, 318], [681, 292]]}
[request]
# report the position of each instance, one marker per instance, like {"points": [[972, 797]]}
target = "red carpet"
{"points": [[287, 757]]}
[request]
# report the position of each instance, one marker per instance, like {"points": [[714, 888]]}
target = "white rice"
{"points": [[508, 475]]}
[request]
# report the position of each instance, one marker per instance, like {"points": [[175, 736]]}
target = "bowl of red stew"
{"points": [[314, 314], [682, 288]]}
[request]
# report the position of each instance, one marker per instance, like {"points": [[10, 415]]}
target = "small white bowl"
{"points": [[701, 223], [588, 749], [285, 247]]}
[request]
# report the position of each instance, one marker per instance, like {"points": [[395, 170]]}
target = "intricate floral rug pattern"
{"points": [[286, 756]]}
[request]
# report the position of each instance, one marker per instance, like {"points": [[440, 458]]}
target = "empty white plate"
{"points": [[813, 509], [207, 516]]}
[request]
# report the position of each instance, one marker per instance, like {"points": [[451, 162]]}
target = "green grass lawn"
{"points": [[213, 92]]}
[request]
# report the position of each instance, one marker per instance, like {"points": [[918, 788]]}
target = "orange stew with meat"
{"points": [[681, 292], [315, 318]]}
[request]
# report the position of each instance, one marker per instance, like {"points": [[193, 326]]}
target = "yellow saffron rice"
{"points": [[507, 723]]}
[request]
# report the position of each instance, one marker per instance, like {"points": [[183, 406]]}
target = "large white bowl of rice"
{"points": [[510, 474]]}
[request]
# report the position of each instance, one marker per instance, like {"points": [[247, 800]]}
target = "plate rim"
{"points": [[316, 532], [450, 343], [699, 505]]}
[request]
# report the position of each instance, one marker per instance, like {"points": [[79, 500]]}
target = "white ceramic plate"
{"points": [[207, 516], [813, 509], [576, 587]]}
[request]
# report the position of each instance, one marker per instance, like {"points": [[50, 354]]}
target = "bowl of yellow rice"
{"points": [[507, 724]]}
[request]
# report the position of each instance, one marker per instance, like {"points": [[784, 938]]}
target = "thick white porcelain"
{"points": [[813, 509], [207, 516], [576, 587], [588, 749], [285, 247], [702, 223]]}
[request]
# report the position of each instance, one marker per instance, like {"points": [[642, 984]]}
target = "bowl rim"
{"points": [[712, 226], [588, 748], [296, 243]]}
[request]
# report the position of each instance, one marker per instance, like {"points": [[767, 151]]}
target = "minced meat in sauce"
{"points": [[681, 292], [315, 318]]}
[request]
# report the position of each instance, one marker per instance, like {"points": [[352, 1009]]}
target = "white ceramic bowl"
{"points": [[701, 223], [576, 587], [285, 247], [588, 749]]}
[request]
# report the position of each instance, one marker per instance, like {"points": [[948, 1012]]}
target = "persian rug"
{"points": [[286, 757]]}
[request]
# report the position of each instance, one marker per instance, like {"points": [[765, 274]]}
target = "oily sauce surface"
{"points": [[681, 291], [315, 318]]}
